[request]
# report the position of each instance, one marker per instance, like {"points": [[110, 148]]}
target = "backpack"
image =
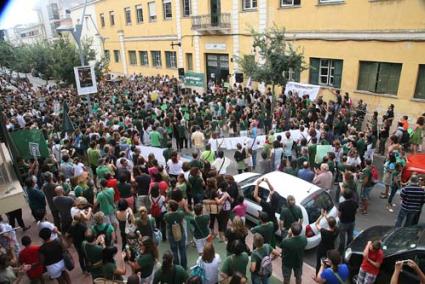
{"points": [[266, 267], [374, 175], [155, 208], [199, 271], [176, 230], [405, 137]]}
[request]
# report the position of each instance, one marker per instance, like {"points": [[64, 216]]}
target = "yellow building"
{"points": [[373, 49]]}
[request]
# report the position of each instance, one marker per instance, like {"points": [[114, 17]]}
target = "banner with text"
{"points": [[302, 89]]}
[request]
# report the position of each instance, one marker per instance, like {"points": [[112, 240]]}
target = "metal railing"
{"points": [[211, 22]]}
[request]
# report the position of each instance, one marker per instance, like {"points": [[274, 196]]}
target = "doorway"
{"points": [[217, 67], [215, 12]]}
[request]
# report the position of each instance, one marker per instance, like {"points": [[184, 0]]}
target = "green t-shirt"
{"points": [[258, 254], [200, 226], [196, 163], [105, 198], [108, 270], [235, 263], [293, 251], [93, 156], [208, 156], [177, 275], [146, 263], [93, 254], [367, 173], [196, 184], [108, 229], [290, 215], [101, 171], [174, 218], [155, 137], [267, 231]]}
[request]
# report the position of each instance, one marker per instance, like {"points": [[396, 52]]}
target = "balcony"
{"points": [[212, 24]]}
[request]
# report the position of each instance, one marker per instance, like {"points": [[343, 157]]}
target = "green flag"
{"points": [[67, 123], [30, 143], [322, 150]]}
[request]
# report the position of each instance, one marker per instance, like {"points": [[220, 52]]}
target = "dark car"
{"points": [[397, 244]]}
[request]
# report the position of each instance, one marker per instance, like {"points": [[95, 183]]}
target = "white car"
{"points": [[309, 197]]}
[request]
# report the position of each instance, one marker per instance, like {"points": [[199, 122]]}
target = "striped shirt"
{"points": [[412, 197]]}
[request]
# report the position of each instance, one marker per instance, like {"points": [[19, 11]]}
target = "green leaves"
{"points": [[272, 57]]}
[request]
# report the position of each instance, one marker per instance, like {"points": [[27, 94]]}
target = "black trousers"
{"points": [[14, 216]]}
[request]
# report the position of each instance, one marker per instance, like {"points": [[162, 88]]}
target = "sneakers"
{"points": [[389, 208]]}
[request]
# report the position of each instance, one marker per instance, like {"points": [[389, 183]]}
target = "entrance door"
{"points": [[217, 67], [215, 12]]}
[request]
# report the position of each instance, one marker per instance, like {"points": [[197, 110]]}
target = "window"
{"points": [[290, 2], [53, 11], [143, 57], [326, 72], [170, 59], [330, 1], [420, 83], [102, 20], [313, 205], [107, 54], [168, 13], [132, 56], [187, 8], [156, 58], [189, 61], [152, 11], [139, 14], [249, 4], [379, 77], [112, 18], [116, 56], [127, 13]]}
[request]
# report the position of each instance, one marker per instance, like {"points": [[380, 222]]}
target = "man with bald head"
{"points": [[306, 173], [63, 204]]}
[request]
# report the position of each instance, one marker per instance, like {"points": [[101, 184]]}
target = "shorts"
{"points": [[55, 270], [365, 278], [287, 271], [200, 243], [387, 179], [111, 219]]}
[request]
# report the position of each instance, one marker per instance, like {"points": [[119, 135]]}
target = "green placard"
{"points": [[30, 143], [192, 79]]}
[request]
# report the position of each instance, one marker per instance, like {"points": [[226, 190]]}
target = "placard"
{"points": [[85, 79]]}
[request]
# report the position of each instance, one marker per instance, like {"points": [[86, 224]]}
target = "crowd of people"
{"points": [[115, 206]]}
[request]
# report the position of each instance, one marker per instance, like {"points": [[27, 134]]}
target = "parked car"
{"points": [[311, 199], [415, 164], [397, 244]]}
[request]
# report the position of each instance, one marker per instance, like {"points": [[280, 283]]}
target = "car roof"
{"points": [[286, 184]]}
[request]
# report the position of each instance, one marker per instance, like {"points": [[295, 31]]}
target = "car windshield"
{"points": [[315, 203], [404, 239], [248, 180]]}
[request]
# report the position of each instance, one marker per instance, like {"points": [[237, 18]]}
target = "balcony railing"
{"points": [[211, 23]]}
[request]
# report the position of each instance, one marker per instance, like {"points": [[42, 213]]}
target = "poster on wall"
{"points": [[85, 79]]}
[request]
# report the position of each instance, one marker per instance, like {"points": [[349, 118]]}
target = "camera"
{"points": [[325, 262]]}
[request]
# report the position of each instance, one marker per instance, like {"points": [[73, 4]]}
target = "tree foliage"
{"points": [[53, 61], [272, 58]]}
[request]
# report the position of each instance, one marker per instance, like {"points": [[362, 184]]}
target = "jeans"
{"points": [[257, 279], [287, 271], [365, 192], [394, 189], [254, 158], [198, 198], [346, 231], [15, 215], [404, 214], [179, 250], [81, 256]]}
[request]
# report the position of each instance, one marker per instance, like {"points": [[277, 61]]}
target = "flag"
{"points": [[30, 143], [67, 123]]}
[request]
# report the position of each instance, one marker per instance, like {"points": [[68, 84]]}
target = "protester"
{"points": [[170, 272], [262, 250], [332, 271], [412, 198], [211, 262], [328, 237], [347, 218], [373, 256], [29, 256]]}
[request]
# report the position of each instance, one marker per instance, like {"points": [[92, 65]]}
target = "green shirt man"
{"points": [[105, 198], [155, 137]]}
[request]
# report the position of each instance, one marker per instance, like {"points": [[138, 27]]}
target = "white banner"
{"points": [[158, 153], [302, 89], [85, 78]]}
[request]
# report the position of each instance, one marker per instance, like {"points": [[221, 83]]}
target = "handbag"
{"points": [[68, 260], [156, 233]]}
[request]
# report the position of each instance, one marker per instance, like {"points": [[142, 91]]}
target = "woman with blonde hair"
{"points": [[236, 231], [145, 224], [211, 263]]}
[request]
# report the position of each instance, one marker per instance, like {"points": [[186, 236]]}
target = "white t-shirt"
{"points": [[78, 169], [211, 269], [174, 168], [47, 224]]}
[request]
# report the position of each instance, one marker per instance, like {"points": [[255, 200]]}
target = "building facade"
{"points": [[25, 34], [373, 49]]}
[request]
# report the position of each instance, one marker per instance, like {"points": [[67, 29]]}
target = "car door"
{"points": [[253, 206]]}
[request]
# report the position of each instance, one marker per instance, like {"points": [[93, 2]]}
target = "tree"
{"points": [[7, 55], [276, 57]]}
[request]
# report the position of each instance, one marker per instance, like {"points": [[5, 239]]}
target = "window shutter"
{"points": [[314, 71], [367, 76], [337, 73], [420, 83], [388, 78], [296, 76]]}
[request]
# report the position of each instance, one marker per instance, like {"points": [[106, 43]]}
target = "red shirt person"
{"points": [[29, 257], [373, 256]]}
